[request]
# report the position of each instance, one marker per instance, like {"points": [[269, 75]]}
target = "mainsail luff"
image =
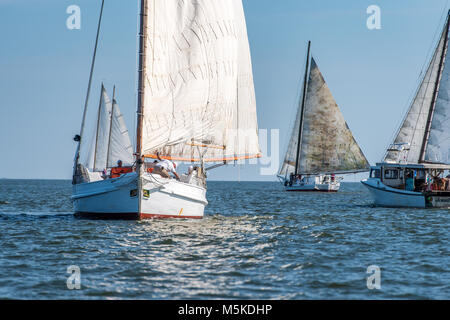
{"points": [[141, 96], [305, 85], [435, 92], [141, 80], [198, 53], [111, 124], [97, 129]]}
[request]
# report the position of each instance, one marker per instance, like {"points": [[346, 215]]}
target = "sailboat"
{"points": [[321, 143], [412, 171], [196, 104]]}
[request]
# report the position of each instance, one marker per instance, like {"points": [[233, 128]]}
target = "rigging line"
{"points": [[428, 84], [294, 110], [77, 154], [422, 79]]}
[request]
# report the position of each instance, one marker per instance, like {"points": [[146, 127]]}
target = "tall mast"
{"points": [[79, 137], [435, 92], [300, 127], [98, 125], [141, 83], [110, 125], [141, 96]]}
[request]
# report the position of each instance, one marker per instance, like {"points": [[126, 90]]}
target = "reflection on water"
{"points": [[255, 241]]}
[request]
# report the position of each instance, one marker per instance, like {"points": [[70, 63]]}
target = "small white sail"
{"points": [[99, 143], [120, 147], [199, 95], [111, 141], [413, 128], [327, 144]]}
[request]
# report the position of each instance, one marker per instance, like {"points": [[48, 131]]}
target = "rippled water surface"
{"points": [[255, 242]]}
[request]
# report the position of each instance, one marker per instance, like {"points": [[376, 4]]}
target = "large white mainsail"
{"points": [[326, 143], [413, 129], [198, 85], [111, 141]]}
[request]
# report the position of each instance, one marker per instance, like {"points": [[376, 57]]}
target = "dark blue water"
{"points": [[255, 242]]}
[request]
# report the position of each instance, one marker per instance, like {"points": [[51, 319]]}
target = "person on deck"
{"points": [[119, 170], [164, 167], [409, 182]]}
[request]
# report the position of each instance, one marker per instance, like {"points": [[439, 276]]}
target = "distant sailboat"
{"points": [[412, 172], [196, 104], [321, 144]]}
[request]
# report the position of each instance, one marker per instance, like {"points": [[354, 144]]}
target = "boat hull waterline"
{"points": [[386, 196], [118, 198], [314, 188]]}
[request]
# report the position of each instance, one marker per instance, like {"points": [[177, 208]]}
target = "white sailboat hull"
{"points": [[313, 183], [118, 198]]}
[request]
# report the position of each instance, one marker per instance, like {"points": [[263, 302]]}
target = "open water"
{"points": [[255, 242]]}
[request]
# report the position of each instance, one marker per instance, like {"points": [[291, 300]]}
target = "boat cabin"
{"points": [[412, 177]]}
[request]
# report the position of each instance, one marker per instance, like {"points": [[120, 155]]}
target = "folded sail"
{"points": [[412, 130], [110, 141], [327, 144], [199, 94]]}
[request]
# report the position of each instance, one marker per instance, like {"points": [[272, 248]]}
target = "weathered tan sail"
{"points": [[326, 144]]}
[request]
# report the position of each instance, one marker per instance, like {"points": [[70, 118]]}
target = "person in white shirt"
{"points": [[165, 167]]}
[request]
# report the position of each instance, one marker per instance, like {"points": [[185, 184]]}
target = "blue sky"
{"points": [[44, 69]]}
